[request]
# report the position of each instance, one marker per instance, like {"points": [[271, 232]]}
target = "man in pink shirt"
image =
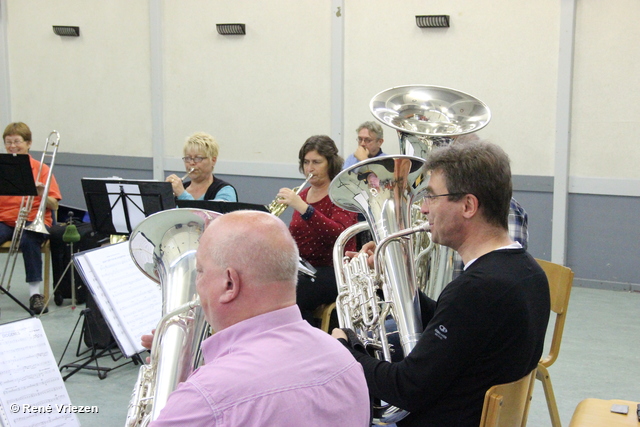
{"points": [[265, 365]]}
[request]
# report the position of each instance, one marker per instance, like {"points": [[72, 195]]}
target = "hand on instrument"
{"points": [[288, 197], [40, 188], [147, 342], [176, 184], [367, 248], [339, 333], [361, 153]]}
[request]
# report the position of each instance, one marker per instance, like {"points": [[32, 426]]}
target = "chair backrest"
{"points": [[560, 281], [507, 405]]}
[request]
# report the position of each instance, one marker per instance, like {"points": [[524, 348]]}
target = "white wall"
{"points": [[264, 93]]}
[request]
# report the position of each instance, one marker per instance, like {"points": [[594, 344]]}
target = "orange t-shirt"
{"points": [[10, 205]]}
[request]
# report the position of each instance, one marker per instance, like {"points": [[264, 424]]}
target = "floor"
{"points": [[600, 355]]}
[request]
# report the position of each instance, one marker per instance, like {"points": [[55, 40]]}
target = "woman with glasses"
{"points": [[200, 155], [17, 140]]}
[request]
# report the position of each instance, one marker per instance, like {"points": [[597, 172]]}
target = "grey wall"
{"points": [[602, 232]]}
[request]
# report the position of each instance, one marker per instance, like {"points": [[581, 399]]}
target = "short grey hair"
{"points": [[372, 127]]}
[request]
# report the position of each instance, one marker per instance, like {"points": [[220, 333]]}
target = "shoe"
{"points": [[58, 299], [36, 304]]}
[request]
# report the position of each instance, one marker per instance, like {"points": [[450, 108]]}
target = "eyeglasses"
{"points": [[432, 197], [196, 159], [366, 140], [10, 143]]}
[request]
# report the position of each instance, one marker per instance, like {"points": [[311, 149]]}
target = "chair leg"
{"points": [[543, 375], [326, 317]]}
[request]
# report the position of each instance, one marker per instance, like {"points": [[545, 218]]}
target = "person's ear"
{"points": [[470, 206], [232, 286], [214, 160]]}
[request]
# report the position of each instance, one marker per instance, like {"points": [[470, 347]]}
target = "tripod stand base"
{"points": [[91, 361]]}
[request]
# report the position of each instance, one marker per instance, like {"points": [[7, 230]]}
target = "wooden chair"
{"points": [[323, 313], [597, 413], [560, 281], [46, 250], [507, 405]]}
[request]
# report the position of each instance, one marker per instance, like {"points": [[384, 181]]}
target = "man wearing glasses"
{"points": [[369, 143], [489, 323]]}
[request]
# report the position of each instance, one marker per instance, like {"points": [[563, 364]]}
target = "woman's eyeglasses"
{"points": [[196, 159]]}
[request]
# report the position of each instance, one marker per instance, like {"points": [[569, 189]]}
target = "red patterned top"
{"points": [[316, 236]]}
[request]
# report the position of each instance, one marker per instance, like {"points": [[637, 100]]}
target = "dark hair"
{"points": [[479, 168], [18, 128], [326, 148]]}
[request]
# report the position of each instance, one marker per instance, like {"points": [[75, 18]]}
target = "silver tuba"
{"points": [[163, 246], [406, 259], [427, 117], [383, 189]]}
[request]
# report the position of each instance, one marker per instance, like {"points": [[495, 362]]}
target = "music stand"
{"points": [[117, 206], [16, 179], [220, 206]]}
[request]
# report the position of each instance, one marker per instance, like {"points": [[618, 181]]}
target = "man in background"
{"points": [[370, 139]]}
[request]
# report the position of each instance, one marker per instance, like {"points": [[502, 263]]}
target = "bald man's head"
{"points": [[256, 244]]}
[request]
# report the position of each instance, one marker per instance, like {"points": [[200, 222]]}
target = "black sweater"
{"points": [[488, 328]]}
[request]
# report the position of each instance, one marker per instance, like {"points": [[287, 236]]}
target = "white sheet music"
{"points": [[32, 391], [130, 302]]}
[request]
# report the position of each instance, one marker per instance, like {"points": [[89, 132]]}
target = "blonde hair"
{"points": [[202, 142]]}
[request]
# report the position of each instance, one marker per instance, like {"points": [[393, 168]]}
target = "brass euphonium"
{"points": [[163, 246], [383, 189]]}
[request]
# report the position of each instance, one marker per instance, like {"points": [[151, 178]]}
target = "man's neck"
{"points": [[483, 242]]}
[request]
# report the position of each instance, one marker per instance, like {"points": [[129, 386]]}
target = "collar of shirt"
{"points": [[514, 245]]}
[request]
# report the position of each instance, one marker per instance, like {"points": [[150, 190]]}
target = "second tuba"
{"points": [[383, 189], [163, 246]]}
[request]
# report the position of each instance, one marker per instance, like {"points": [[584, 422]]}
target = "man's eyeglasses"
{"points": [[366, 140], [432, 197], [196, 159]]}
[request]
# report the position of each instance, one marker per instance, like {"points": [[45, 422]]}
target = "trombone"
{"points": [[38, 224]]}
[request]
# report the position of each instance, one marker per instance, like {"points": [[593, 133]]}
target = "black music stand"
{"points": [[16, 179], [116, 206], [220, 206], [95, 348]]}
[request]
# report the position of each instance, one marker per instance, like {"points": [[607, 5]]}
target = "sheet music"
{"points": [[130, 302], [134, 206], [32, 390]]}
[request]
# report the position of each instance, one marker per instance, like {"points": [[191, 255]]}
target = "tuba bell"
{"points": [[163, 246], [426, 117]]}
